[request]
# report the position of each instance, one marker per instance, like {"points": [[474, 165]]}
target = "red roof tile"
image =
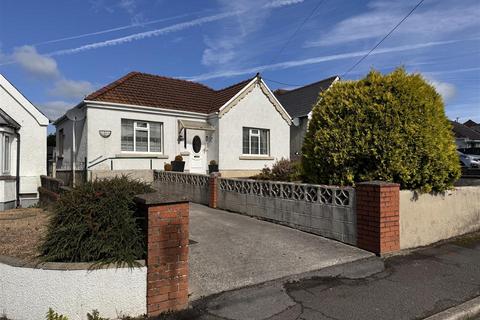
{"points": [[149, 90]]}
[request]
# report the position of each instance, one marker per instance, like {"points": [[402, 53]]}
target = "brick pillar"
{"points": [[167, 252], [213, 189], [378, 215]]}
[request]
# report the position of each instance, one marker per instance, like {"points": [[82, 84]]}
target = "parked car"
{"points": [[469, 160], [470, 151]]}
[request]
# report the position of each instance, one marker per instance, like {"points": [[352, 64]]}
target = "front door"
{"points": [[196, 147]]}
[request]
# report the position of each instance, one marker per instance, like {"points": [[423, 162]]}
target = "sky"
{"points": [[56, 52]]}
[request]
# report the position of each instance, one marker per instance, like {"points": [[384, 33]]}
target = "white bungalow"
{"points": [[142, 121]]}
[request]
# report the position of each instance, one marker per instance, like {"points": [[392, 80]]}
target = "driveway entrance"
{"points": [[230, 251]]}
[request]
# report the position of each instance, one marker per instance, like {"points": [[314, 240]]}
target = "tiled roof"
{"points": [[149, 90], [462, 131], [299, 102]]}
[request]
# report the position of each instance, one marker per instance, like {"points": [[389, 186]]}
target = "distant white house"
{"points": [[142, 121], [23, 148]]}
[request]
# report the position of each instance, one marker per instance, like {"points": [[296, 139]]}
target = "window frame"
{"points": [[61, 142], [6, 154], [258, 135], [147, 129]]}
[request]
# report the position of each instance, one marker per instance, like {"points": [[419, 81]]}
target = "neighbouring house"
{"points": [[23, 148], [142, 121], [472, 125], [299, 103], [465, 137]]}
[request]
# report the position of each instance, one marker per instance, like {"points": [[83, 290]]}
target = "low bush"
{"points": [[96, 222], [282, 170], [52, 315]]}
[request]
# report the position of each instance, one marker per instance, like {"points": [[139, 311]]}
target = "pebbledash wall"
{"points": [[27, 291], [375, 216]]}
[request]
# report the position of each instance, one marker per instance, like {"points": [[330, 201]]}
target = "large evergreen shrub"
{"points": [[96, 222], [384, 127]]}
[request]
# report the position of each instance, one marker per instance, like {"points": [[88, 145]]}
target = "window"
{"points": [[61, 139], [196, 144], [256, 141], [6, 154], [141, 136]]}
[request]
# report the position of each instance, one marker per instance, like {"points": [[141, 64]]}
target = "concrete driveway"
{"points": [[233, 251]]}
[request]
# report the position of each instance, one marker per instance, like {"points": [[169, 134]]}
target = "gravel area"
{"points": [[21, 231]]}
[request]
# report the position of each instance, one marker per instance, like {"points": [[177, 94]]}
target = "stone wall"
{"points": [[428, 218]]}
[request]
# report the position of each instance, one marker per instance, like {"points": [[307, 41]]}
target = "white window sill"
{"points": [[256, 157], [141, 155]]}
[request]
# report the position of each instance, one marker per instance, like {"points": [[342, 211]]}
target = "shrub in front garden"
{"points": [[282, 170], [383, 127], [96, 222]]}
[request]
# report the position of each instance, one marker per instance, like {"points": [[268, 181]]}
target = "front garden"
{"points": [[21, 232]]}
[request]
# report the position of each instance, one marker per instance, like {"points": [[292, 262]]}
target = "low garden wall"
{"points": [[28, 291], [428, 218], [193, 186], [50, 189], [324, 210], [374, 215]]}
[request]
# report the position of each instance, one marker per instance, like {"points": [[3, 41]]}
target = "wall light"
{"points": [[105, 133]]}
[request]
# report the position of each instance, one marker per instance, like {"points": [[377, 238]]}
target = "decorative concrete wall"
{"points": [[324, 210], [427, 218], [71, 289], [193, 186]]}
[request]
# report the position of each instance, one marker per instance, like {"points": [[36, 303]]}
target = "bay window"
{"points": [[256, 141], [141, 136]]}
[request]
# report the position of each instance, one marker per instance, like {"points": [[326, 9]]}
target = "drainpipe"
{"points": [[17, 174]]}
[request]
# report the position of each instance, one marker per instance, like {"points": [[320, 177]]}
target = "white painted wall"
{"points": [[27, 293], [7, 191], [65, 162], [254, 110], [110, 119], [33, 137]]}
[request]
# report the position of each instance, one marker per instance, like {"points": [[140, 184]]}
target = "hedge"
{"points": [[384, 127]]}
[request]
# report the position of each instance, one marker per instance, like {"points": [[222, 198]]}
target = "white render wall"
{"points": [[33, 137], [254, 110], [80, 139], [428, 218], [27, 293], [110, 119]]}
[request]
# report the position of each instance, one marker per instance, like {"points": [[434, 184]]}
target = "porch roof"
{"points": [[196, 125]]}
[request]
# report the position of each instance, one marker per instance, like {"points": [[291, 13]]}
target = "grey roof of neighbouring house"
{"points": [[462, 131], [299, 102]]}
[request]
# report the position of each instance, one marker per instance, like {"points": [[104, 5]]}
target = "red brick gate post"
{"points": [[378, 216], [167, 251], [213, 189]]}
